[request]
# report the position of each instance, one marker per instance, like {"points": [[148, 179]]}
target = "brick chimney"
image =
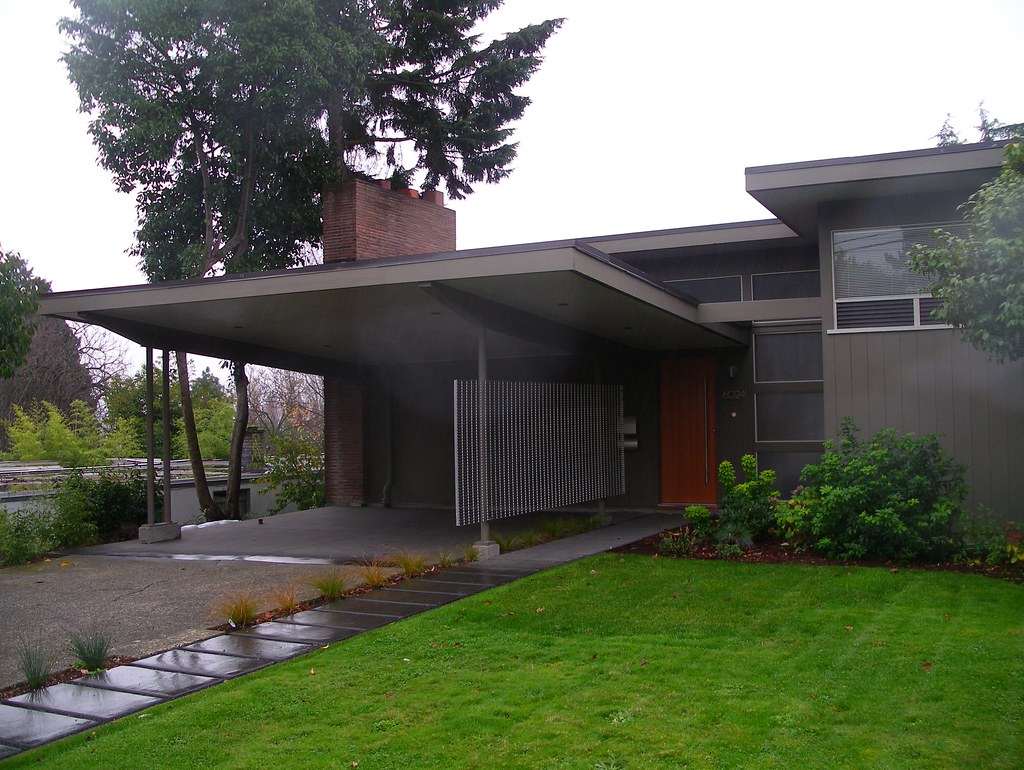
{"points": [[368, 220]]}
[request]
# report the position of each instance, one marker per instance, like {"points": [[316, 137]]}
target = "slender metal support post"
{"points": [[167, 436], [150, 464], [485, 492]]}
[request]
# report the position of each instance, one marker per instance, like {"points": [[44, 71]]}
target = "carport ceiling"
{"points": [[535, 301]]}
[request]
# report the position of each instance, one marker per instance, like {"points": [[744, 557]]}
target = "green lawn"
{"points": [[641, 663]]}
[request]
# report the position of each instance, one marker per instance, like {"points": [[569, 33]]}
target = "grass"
{"points": [[91, 647], [411, 564], [239, 608], [36, 662], [331, 583], [628, 662], [286, 598], [374, 573], [446, 559]]}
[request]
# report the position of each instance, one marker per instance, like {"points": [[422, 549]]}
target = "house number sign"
{"points": [[733, 395]]}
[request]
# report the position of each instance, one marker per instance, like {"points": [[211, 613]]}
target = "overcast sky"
{"points": [[644, 116]]}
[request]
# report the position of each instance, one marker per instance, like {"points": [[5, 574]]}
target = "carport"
{"points": [[457, 312]]}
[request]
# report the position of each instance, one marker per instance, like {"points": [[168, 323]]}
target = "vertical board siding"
{"points": [[933, 382]]}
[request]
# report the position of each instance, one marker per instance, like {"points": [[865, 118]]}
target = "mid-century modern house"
{"points": [[622, 367]]}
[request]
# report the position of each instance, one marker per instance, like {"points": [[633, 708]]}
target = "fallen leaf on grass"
{"points": [[926, 665], [947, 618], [312, 672], [540, 609], [675, 596], [894, 570], [354, 764], [390, 695], [848, 628], [643, 661], [813, 696]]}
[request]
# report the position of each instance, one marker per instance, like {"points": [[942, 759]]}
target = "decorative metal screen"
{"points": [[528, 446]]}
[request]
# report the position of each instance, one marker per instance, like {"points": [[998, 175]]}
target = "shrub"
{"points": [[892, 497], [679, 542], [24, 535], [750, 504], [728, 550], [330, 583], [91, 647], [108, 508], [295, 469], [701, 521], [470, 554]]}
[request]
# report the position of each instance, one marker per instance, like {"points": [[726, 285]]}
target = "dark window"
{"points": [[803, 283], [795, 356], [725, 289], [790, 416]]}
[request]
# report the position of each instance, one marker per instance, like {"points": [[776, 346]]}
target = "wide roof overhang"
{"points": [[794, 191], [535, 300]]}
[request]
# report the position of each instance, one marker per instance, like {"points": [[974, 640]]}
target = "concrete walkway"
{"points": [[37, 718]]}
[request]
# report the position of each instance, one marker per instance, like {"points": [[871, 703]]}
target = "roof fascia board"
{"points": [[759, 310], [737, 232], [875, 167], [355, 275]]}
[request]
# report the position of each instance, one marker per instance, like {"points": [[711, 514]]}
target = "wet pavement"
{"points": [[43, 716]]}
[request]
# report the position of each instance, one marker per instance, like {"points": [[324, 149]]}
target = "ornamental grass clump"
{"points": [[411, 564], [91, 647], [375, 574], [36, 662], [331, 583], [891, 497], [239, 608]]}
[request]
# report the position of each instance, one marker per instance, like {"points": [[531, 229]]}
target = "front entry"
{"points": [[689, 468]]}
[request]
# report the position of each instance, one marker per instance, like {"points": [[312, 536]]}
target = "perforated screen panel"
{"points": [[529, 446]]}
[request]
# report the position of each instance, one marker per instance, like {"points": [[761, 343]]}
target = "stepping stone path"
{"points": [[39, 717]]}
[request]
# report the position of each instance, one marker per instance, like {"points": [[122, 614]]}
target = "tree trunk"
{"points": [[210, 509], [237, 439]]}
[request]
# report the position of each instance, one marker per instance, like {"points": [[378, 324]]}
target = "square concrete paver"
{"points": [[86, 702], [247, 646], [428, 599], [377, 607], [488, 580], [8, 751], [205, 664], [360, 620], [293, 632], [442, 586], [25, 727], [148, 681], [327, 619]]}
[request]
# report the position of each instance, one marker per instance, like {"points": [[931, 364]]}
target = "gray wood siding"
{"points": [[932, 382]]}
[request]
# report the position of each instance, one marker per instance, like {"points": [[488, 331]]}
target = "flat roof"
{"points": [[535, 300], [793, 191]]}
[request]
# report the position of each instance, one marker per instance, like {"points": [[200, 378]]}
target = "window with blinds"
{"points": [[874, 286]]}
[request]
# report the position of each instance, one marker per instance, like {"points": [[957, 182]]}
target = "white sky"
{"points": [[644, 116]]}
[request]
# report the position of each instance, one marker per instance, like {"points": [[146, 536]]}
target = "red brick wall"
{"points": [[343, 441], [363, 220]]}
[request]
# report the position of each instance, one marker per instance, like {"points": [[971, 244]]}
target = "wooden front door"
{"points": [[689, 468]]}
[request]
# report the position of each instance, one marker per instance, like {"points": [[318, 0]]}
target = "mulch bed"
{"points": [[783, 553]]}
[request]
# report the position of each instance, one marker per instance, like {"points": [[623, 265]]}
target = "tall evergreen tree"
{"points": [[228, 116]]}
